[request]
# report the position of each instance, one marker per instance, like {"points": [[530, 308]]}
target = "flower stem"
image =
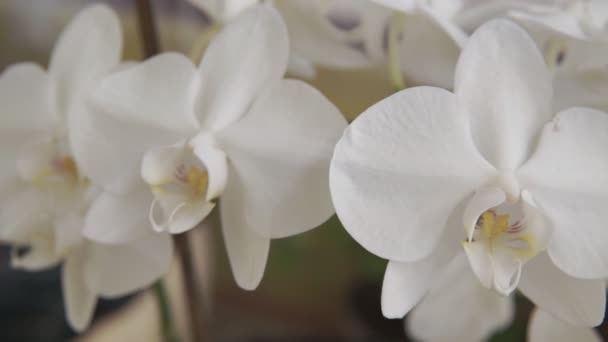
{"points": [[145, 15], [394, 66], [165, 312], [193, 295], [147, 27]]}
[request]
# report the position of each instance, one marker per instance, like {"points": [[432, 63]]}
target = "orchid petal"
{"points": [[247, 251], [280, 152], [26, 97], [406, 283], [502, 79], [88, 49], [567, 177], [118, 218], [576, 301], [543, 327], [79, 299], [311, 36], [113, 163], [28, 110], [217, 166], [427, 55], [400, 170], [457, 287], [158, 92], [126, 268], [250, 53], [561, 22]]}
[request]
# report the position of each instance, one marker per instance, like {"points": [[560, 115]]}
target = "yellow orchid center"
{"points": [[190, 180], [198, 180], [498, 229]]}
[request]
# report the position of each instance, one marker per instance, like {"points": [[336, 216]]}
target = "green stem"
{"points": [[394, 65], [165, 312]]}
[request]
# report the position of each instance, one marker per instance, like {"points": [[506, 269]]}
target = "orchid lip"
{"points": [[504, 238]]}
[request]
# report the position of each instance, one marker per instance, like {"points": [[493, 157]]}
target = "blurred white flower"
{"points": [[45, 194], [530, 189], [341, 34], [232, 129], [543, 327]]}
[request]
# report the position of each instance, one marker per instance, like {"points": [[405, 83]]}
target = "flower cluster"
{"points": [[489, 177]]}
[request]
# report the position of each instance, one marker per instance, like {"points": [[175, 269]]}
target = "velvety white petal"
{"points": [[475, 13], [545, 328], [247, 250], [576, 301], [400, 170], [89, 47], [280, 152], [180, 217], [109, 150], [441, 12], [26, 96], [78, 297], [405, 283], [483, 311], [28, 110], [247, 55], [427, 54], [126, 268], [217, 168], [119, 218], [478, 254], [158, 92], [568, 177], [503, 81]]}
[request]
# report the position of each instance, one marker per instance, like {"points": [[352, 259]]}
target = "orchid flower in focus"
{"points": [[488, 170], [46, 195], [231, 131]]}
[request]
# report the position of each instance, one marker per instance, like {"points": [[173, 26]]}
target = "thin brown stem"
{"points": [[149, 36], [147, 27]]}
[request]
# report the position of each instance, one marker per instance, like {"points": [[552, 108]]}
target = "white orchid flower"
{"points": [[231, 129], [528, 187], [45, 195]]}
